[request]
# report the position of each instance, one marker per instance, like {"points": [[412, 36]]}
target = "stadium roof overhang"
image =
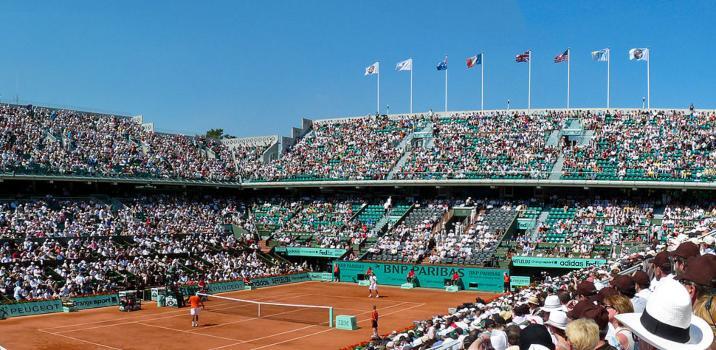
{"points": [[371, 183], [487, 183]]}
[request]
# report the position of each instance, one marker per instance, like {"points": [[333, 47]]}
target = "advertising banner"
{"points": [[30, 308], [519, 281], [430, 276], [320, 276], [311, 252], [556, 263], [94, 301]]}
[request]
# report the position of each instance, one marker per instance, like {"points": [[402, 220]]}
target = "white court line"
{"points": [[361, 298], [267, 317], [246, 320], [178, 313], [81, 340], [131, 317], [328, 330], [294, 330], [185, 331], [141, 318]]}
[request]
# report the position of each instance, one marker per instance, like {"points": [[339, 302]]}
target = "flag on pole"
{"points": [[474, 60], [404, 65], [600, 55], [563, 57], [442, 65], [523, 57], [639, 54], [372, 69]]}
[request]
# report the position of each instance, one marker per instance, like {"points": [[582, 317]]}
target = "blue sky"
{"points": [[257, 67]]}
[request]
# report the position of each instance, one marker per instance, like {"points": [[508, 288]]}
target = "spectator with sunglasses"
{"points": [[699, 278]]}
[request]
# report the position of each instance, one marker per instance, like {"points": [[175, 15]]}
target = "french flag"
{"points": [[474, 60]]}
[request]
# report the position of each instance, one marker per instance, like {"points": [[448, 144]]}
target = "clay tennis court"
{"points": [[226, 325]]}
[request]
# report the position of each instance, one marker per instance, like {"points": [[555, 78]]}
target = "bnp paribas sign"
{"points": [[556, 263]]}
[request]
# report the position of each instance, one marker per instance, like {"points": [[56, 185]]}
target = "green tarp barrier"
{"points": [[430, 276], [312, 252], [556, 263]]}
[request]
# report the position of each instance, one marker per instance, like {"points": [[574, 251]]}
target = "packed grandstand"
{"points": [[98, 204]]}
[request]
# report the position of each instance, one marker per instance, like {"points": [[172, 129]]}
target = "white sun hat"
{"points": [[551, 303], [558, 319], [668, 322]]}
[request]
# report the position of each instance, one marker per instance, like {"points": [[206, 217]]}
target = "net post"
{"points": [[259, 304], [330, 317]]}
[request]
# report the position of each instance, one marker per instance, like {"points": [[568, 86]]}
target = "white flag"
{"points": [[601, 55], [404, 65], [372, 69], [639, 54]]}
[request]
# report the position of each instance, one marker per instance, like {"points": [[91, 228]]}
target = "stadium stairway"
{"points": [[553, 138], [403, 146], [586, 138], [541, 219], [556, 173]]}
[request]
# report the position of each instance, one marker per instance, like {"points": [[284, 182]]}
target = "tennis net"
{"points": [[308, 314]]}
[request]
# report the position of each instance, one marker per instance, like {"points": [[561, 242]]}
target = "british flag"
{"points": [[523, 57], [564, 56]]}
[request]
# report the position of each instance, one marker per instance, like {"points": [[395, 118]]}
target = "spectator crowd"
{"points": [[659, 299]]}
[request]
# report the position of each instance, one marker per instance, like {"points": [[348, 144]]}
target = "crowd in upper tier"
{"points": [[657, 146], [590, 145], [35, 140], [359, 149], [494, 145]]}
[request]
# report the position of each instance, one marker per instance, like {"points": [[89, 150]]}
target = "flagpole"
{"points": [[569, 62], [378, 103], [529, 82], [482, 82], [446, 90], [609, 62], [648, 81], [411, 86]]}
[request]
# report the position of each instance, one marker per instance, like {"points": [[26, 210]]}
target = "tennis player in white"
{"points": [[373, 287]]}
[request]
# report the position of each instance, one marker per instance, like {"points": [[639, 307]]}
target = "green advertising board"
{"points": [[277, 280], [320, 276], [526, 224], [311, 252], [30, 308], [94, 301], [429, 276], [519, 281], [556, 263], [228, 286]]}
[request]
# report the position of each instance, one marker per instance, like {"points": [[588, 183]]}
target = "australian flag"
{"points": [[564, 56], [442, 65]]}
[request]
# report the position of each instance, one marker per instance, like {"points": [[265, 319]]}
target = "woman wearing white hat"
{"points": [[668, 322]]}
